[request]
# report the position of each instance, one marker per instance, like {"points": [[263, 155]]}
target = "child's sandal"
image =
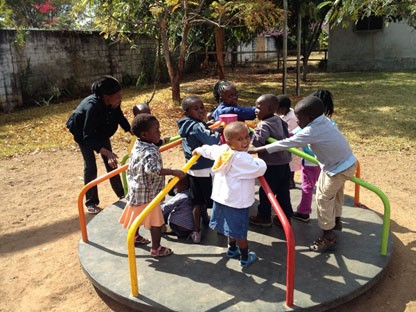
{"points": [[323, 244], [140, 240], [161, 252]]}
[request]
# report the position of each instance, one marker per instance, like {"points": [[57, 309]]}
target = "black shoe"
{"points": [[260, 221], [338, 224], [301, 217]]}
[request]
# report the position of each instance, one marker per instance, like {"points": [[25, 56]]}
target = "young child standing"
{"points": [[145, 177], [233, 188], [278, 171], [227, 93], [335, 158], [195, 133], [310, 171], [287, 113]]}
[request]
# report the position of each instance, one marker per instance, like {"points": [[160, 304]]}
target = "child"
{"points": [[228, 104], [278, 171], [233, 188], [287, 114], [177, 212], [335, 158], [216, 95], [310, 171], [145, 176], [195, 133]]}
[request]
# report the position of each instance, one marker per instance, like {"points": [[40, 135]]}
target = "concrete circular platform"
{"points": [[201, 278]]}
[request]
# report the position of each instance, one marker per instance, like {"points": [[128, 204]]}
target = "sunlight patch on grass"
{"points": [[376, 111]]}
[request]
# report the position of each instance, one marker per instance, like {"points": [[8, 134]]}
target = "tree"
{"points": [[168, 21], [343, 12], [39, 14], [251, 16]]}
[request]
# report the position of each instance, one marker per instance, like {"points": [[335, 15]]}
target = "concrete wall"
{"points": [[55, 63], [392, 48]]}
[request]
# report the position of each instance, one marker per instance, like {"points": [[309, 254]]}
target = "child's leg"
{"points": [[246, 258], [196, 212], [157, 250], [310, 175], [281, 186]]}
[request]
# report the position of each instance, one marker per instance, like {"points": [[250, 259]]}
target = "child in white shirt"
{"points": [[233, 188]]}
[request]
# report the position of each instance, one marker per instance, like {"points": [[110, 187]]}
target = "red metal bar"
{"points": [[290, 242]]}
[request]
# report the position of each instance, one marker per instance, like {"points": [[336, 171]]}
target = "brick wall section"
{"points": [[64, 63]]}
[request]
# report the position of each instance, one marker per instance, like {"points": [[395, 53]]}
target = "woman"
{"points": [[93, 123]]}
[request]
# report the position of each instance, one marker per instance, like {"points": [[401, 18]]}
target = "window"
{"points": [[368, 23]]}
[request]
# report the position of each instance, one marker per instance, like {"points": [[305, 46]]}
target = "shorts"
{"points": [[231, 222], [201, 189]]}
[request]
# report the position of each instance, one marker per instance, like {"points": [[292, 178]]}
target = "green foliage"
{"points": [[346, 11]]}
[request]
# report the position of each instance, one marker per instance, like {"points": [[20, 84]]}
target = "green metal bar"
{"points": [[383, 197]]}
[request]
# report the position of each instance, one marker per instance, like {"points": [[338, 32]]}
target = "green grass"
{"points": [[376, 111]]}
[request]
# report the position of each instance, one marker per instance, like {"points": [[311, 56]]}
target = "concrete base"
{"points": [[201, 278]]}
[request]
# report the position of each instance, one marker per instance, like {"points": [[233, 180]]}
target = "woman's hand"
{"points": [[111, 157]]}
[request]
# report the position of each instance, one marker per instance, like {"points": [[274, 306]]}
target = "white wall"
{"points": [[392, 48]]}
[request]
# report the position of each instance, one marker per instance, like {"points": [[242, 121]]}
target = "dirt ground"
{"points": [[40, 270]]}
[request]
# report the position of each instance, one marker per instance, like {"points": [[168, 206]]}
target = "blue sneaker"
{"points": [[251, 258], [233, 253]]}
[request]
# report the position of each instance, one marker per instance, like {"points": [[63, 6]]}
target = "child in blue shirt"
{"points": [[195, 133], [227, 93]]}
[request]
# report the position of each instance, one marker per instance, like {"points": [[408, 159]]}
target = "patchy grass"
{"points": [[376, 111]]}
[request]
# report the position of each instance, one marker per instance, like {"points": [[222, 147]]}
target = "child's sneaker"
{"points": [[301, 217], [260, 221], [251, 258], [233, 253]]}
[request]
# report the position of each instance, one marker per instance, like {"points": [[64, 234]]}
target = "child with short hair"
{"points": [[195, 133], [145, 177], [278, 171], [177, 211], [285, 111], [227, 93], [335, 158], [233, 188], [310, 171]]}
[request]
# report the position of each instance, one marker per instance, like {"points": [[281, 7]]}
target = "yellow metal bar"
{"points": [[138, 221]]}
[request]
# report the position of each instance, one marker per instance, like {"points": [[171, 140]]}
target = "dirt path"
{"points": [[39, 227]]}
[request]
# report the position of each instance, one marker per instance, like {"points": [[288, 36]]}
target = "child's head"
{"points": [[183, 184], [284, 104], [228, 94], [266, 105], [141, 108], [216, 89], [326, 98], [237, 136], [308, 109], [146, 128], [193, 107]]}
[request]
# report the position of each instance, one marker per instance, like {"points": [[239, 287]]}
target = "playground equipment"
{"points": [[287, 229]]}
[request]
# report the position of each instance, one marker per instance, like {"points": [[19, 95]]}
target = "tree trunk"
{"points": [[219, 48], [173, 75], [298, 52], [284, 76]]}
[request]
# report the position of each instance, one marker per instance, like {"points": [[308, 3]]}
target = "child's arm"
{"points": [[260, 135], [249, 167], [205, 136], [173, 172], [209, 151]]}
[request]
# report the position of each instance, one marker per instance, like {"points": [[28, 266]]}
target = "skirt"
{"points": [[231, 222], [130, 213]]}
